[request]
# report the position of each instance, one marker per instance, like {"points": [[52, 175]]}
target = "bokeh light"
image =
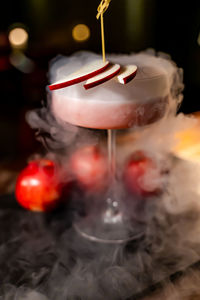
{"points": [[81, 33], [18, 37], [21, 62], [198, 39]]}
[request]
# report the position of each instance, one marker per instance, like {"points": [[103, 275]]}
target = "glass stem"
{"points": [[112, 203], [112, 156]]}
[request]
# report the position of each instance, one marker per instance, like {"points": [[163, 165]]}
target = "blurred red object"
{"points": [[89, 166], [142, 176], [38, 187], [4, 63]]}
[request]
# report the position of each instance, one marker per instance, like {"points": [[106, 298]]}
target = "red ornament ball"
{"points": [[89, 167], [142, 176], [38, 187]]}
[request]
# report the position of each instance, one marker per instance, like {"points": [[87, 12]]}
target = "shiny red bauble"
{"points": [[38, 187], [89, 167], [142, 176]]}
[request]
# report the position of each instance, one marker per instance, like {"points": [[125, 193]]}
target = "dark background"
{"points": [[130, 25]]}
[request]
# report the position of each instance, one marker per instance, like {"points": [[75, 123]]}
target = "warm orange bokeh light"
{"points": [[81, 33], [18, 37], [188, 141]]}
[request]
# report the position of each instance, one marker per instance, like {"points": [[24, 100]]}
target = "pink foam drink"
{"points": [[112, 105]]}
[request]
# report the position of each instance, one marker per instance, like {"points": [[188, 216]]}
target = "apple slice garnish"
{"points": [[127, 74], [80, 75], [104, 76]]}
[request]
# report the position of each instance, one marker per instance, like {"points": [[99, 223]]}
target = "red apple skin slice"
{"points": [[86, 72], [127, 74], [108, 74]]}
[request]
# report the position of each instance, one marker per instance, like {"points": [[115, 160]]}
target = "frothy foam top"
{"points": [[156, 77]]}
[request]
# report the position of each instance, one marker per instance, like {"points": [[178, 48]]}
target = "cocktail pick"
{"points": [[103, 6]]}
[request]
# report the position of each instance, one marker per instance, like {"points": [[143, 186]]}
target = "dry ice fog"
{"points": [[45, 259]]}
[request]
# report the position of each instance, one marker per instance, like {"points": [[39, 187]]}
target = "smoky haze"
{"points": [[44, 258]]}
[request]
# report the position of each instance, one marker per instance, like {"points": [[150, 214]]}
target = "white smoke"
{"points": [[42, 257], [49, 260]]}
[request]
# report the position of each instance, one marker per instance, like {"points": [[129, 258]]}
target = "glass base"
{"points": [[94, 238], [109, 227]]}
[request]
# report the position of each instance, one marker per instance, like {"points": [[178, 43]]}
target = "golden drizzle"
{"points": [[101, 10]]}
